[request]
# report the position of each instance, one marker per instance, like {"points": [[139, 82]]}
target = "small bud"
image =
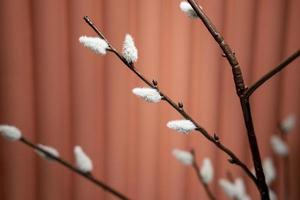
{"points": [[216, 137], [180, 105], [10, 132], [83, 162], [154, 82], [183, 126], [148, 94], [182, 156]]}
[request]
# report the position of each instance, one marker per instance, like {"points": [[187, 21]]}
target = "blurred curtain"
{"points": [[61, 94]]}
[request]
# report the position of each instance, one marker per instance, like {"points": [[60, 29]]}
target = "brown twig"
{"points": [[272, 73], [244, 100], [215, 140], [205, 185], [64, 163]]}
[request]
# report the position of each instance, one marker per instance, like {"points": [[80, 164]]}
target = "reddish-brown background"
{"points": [[61, 94]]}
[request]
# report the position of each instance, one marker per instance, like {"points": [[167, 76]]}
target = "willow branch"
{"points": [[205, 185], [272, 73], [240, 90], [214, 139], [64, 163]]}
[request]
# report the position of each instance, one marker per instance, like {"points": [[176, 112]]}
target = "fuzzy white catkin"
{"points": [[182, 156], [49, 150], [272, 195], [288, 124], [240, 189], [148, 94], [11, 133], [234, 190], [279, 146], [269, 170], [187, 9], [98, 45], [182, 126], [129, 52], [83, 162], [227, 187], [207, 171]]}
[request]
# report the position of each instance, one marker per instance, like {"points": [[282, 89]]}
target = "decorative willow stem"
{"points": [[64, 163], [272, 73], [205, 185], [244, 100], [214, 139]]}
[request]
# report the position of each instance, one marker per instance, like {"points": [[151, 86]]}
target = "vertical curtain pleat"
{"points": [[18, 168], [61, 94], [50, 31]]}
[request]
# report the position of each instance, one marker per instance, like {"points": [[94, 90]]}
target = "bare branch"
{"points": [[178, 108], [240, 89], [272, 73], [64, 163]]}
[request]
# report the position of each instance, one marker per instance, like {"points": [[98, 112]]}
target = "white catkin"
{"points": [[234, 190], [83, 162], [182, 126], [227, 187], [269, 170], [182, 156], [272, 194], [279, 146], [11, 133], [129, 52], [98, 45], [187, 9], [207, 171], [288, 124], [148, 94], [49, 150], [240, 189]]}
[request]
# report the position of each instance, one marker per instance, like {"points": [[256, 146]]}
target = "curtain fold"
{"points": [[61, 94]]}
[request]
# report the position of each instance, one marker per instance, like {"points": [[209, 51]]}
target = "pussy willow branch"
{"points": [[205, 185], [244, 100], [64, 163], [272, 73], [214, 139]]}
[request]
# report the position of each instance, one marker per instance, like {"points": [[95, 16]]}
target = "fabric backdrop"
{"points": [[61, 94]]}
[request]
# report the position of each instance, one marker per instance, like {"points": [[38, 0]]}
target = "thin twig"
{"points": [[240, 90], [205, 185], [215, 140], [64, 163], [272, 73]]}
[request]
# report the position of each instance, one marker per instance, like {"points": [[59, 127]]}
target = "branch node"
{"points": [[232, 161], [154, 83], [216, 138], [180, 105]]}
